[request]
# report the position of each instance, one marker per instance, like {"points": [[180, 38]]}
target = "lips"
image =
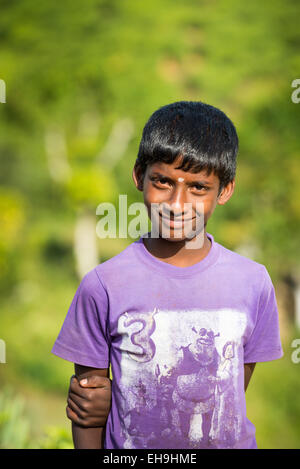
{"points": [[175, 222]]}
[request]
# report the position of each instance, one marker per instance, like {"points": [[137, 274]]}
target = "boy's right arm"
{"points": [[88, 425]]}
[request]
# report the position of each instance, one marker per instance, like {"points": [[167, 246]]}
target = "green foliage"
{"points": [[12, 220], [83, 67], [16, 427], [91, 186], [56, 438], [272, 402], [14, 424]]}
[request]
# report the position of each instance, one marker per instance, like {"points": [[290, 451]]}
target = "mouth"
{"points": [[175, 222]]}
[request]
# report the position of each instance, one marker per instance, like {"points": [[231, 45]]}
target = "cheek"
{"points": [[152, 196], [210, 205], [208, 208]]}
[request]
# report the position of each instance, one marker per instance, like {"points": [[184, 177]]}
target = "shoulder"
{"points": [[123, 258], [242, 266], [98, 283], [113, 268], [91, 289], [94, 278]]}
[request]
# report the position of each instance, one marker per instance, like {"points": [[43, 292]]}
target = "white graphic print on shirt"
{"points": [[180, 378]]}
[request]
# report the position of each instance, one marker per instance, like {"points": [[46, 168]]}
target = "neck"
{"points": [[176, 252]]}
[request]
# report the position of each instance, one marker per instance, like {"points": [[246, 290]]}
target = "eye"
{"points": [[163, 181], [158, 180], [199, 187]]}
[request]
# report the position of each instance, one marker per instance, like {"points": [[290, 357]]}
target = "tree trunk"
{"points": [[85, 243]]}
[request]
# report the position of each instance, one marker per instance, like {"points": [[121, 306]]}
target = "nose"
{"points": [[177, 204]]}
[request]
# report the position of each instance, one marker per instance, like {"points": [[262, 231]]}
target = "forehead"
{"points": [[171, 171]]}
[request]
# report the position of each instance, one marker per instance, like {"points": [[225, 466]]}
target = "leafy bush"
{"points": [[56, 438], [16, 427], [14, 423]]}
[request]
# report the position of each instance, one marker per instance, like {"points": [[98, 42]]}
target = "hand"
{"points": [[89, 401]]}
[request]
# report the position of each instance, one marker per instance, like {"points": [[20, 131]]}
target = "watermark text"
{"points": [[2, 91], [2, 351], [295, 97], [167, 221], [296, 353]]}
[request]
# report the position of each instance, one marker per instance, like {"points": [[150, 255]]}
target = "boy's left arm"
{"points": [[248, 371]]}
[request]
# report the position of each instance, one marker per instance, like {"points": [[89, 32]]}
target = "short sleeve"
{"points": [[83, 338], [264, 343]]}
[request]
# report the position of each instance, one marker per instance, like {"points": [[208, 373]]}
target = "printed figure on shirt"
{"points": [[189, 401]]}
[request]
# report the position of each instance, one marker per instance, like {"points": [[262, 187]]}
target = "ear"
{"points": [[138, 177], [226, 193]]}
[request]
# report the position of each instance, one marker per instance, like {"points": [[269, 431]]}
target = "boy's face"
{"points": [[171, 188]]}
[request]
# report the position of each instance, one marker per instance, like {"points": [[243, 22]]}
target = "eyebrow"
{"points": [[168, 178]]}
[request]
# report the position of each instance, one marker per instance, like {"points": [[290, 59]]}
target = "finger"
{"points": [[80, 403], [73, 381], [102, 402], [83, 422], [95, 381], [79, 411], [80, 391], [83, 410], [72, 378], [75, 419], [71, 414], [87, 393]]}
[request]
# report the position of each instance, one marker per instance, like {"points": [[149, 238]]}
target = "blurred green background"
{"points": [[81, 80]]}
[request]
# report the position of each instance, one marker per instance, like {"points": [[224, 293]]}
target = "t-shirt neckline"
{"points": [[173, 270]]}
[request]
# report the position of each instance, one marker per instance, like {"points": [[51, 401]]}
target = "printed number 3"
{"points": [[141, 338]]}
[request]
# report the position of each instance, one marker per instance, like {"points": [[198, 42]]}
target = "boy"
{"points": [[182, 323]]}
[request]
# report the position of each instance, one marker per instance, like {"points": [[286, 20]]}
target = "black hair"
{"points": [[201, 134]]}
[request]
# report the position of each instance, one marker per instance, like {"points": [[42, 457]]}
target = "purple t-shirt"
{"points": [[177, 339]]}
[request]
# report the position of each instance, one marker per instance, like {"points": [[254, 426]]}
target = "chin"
{"points": [[173, 240], [174, 237]]}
